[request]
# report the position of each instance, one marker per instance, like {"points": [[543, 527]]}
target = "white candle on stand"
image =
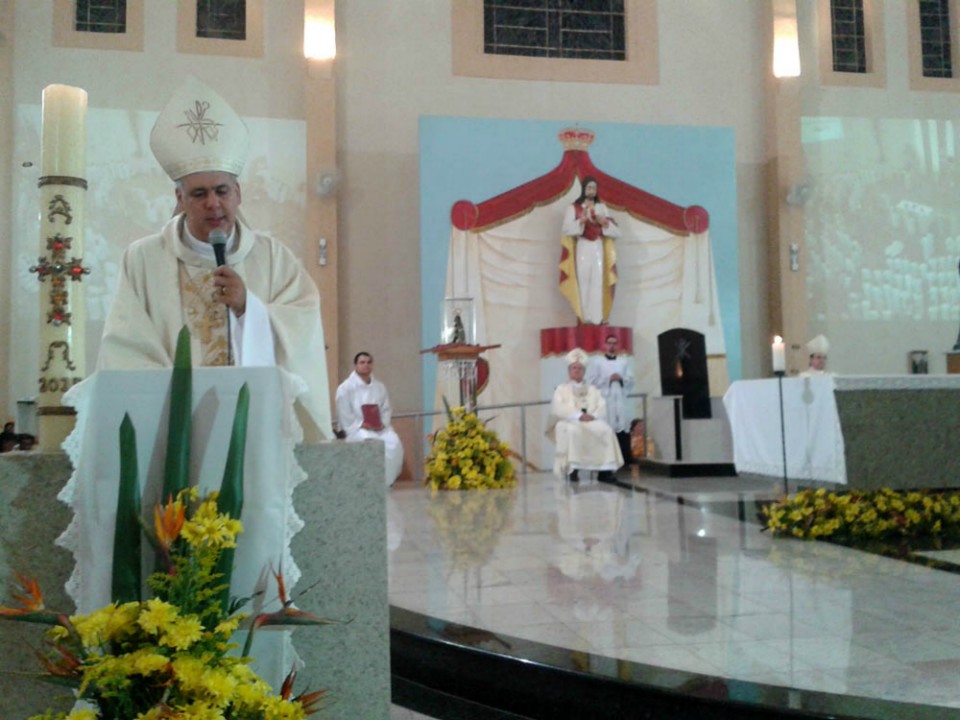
{"points": [[779, 355]]}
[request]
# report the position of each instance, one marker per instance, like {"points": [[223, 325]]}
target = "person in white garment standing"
{"points": [[818, 349], [612, 375], [363, 412], [583, 439], [589, 230], [255, 306]]}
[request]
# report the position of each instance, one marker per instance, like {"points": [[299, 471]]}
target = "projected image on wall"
{"points": [[882, 219], [882, 240]]}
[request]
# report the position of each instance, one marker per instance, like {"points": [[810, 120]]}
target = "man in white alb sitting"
{"points": [[363, 411], [611, 374], [258, 308], [818, 349], [583, 439]]}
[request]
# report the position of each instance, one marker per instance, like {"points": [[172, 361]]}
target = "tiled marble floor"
{"points": [[667, 575]]}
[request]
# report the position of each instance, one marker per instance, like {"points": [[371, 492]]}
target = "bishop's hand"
{"points": [[231, 291]]}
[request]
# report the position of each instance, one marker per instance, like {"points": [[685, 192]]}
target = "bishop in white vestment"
{"points": [[363, 389], [583, 439], [256, 307], [818, 349]]}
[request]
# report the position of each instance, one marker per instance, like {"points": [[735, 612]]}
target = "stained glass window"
{"points": [[591, 29]]}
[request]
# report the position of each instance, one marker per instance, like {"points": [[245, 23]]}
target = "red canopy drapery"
{"points": [[576, 164], [589, 338]]}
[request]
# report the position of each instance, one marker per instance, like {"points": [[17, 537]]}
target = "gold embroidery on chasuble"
{"points": [[206, 319], [580, 393]]}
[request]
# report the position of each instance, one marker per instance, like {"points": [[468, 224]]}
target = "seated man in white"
{"points": [[584, 441], [363, 411]]}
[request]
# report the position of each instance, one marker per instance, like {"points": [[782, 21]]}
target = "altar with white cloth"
{"points": [[811, 428]]}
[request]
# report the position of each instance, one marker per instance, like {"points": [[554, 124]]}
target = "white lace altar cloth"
{"points": [[271, 473]]}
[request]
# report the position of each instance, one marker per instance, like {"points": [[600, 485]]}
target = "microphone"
{"points": [[218, 239]]}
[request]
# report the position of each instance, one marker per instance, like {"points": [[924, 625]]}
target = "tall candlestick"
{"points": [[779, 352]]}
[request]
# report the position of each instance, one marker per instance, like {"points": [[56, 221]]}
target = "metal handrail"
{"points": [[523, 419]]}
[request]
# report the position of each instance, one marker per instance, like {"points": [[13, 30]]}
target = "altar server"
{"points": [[612, 375], [363, 411]]}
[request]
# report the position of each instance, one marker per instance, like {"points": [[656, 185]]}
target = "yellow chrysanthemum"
{"points": [[82, 715], [209, 527], [276, 708], [250, 697], [182, 633], [100, 626], [157, 713], [229, 626], [147, 662], [219, 685], [188, 673], [199, 710], [156, 615]]}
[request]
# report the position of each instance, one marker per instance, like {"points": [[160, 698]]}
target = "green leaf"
{"points": [[126, 534], [230, 500], [176, 476], [40, 617]]}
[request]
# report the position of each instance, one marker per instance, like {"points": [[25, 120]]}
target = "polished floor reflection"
{"points": [[676, 573]]}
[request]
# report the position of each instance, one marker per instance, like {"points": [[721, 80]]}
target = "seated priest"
{"points": [[818, 349], [363, 412], [243, 295], [583, 439]]}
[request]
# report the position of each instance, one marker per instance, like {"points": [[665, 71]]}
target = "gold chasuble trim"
{"points": [[206, 319]]}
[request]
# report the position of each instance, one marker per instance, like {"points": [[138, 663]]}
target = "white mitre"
{"points": [[576, 356], [818, 346], [198, 131]]}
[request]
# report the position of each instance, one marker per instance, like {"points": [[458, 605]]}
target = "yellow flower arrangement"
{"points": [[878, 515], [167, 657], [467, 456]]}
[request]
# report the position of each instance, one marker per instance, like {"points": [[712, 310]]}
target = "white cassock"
{"points": [[599, 370], [589, 261], [581, 445], [163, 285], [352, 395]]}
